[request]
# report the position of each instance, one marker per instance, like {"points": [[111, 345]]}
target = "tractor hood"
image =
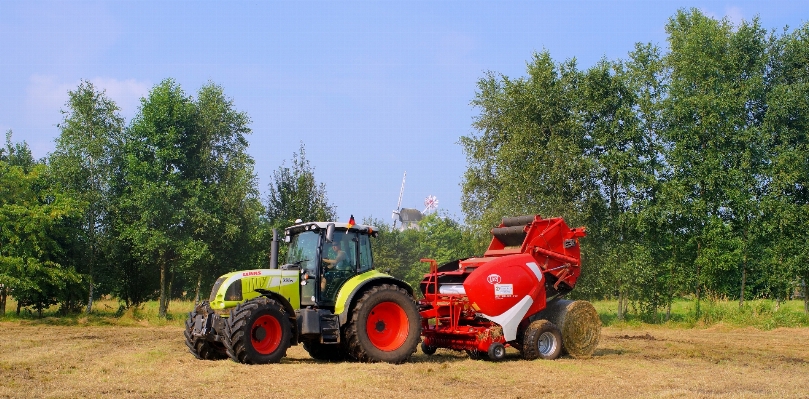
{"points": [[233, 288]]}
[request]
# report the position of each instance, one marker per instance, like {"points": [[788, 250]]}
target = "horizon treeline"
{"points": [[688, 165]]}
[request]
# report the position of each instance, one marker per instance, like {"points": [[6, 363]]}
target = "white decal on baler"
{"points": [[493, 279], [534, 268], [503, 289], [511, 318]]}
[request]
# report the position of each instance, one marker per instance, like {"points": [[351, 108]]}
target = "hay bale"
{"points": [[579, 323]]}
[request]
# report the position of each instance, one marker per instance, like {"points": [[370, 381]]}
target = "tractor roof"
{"points": [[322, 225]]}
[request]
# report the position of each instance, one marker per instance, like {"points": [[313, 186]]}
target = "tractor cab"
{"points": [[328, 255]]}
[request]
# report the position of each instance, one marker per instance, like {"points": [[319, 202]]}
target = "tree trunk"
{"points": [[697, 309], [199, 285], [744, 277], [805, 296], [90, 296], [3, 297], [163, 282]]}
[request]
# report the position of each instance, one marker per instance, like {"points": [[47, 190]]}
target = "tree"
{"points": [[295, 194], [82, 167], [714, 111], [30, 213], [787, 196], [154, 189], [526, 157]]}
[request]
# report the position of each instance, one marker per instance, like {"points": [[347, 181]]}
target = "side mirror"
{"points": [[330, 232]]}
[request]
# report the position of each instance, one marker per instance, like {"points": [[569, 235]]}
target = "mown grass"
{"points": [[762, 314]]}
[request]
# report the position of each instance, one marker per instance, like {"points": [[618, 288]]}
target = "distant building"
{"points": [[410, 218]]}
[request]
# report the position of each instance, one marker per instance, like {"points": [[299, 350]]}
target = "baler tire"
{"points": [[329, 353], [200, 347], [385, 326], [428, 350], [257, 332], [497, 352], [473, 354], [542, 340]]}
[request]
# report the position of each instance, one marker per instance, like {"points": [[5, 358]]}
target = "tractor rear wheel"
{"points": [[257, 332], [200, 347], [385, 326], [327, 352], [542, 340]]}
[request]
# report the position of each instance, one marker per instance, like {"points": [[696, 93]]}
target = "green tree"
{"points": [[31, 211], [225, 218], [787, 197], [526, 157], [82, 168], [714, 111], [295, 194], [155, 194]]}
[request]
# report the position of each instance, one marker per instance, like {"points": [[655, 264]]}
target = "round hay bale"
{"points": [[579, 323]]}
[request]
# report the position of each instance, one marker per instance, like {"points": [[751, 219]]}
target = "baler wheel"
{"points": [[385, 326], [473, 354], [257, 332], [497, 352], [200, 347], [542, 340], [327, 352], [428, 350]]}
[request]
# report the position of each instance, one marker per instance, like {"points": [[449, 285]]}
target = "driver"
{"points": [[332, 263]]}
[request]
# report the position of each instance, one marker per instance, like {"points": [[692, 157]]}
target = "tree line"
{"points": [[153, 210], [689, 167]]}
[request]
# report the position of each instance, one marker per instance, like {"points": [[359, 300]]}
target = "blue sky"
{"points": [[372, 88]]}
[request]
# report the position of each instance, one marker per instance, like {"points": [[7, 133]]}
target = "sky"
{"points": [[372, 89]]}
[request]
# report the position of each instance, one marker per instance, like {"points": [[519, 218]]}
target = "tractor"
{"points": [[327, 297]]}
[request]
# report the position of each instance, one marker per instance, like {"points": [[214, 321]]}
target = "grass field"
{"points": [[136, 355]]}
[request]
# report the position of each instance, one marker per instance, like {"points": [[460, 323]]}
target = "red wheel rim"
{"points": [[387, 326], [266, 334]]}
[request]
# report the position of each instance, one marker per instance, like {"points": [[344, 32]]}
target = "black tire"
{"points": [[497, 352], [474, 354], [542, 340], [428, 350], [200, 347], [330, 353], [385, 326], [257, 332]]}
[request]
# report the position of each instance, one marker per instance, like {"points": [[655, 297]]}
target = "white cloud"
{"points": [[46, 96], [126, 93], [734, 15]]}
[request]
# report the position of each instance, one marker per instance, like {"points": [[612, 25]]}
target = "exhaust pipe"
{"points": [[274, 250]]}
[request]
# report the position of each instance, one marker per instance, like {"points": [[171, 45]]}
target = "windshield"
{"points": [[303, 250]]}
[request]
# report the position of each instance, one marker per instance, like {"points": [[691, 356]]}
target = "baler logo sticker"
{"points": [[493, 279], [502, 290]]}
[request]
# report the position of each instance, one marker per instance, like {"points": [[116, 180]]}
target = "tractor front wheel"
{"points": [[258, 332], [542, 340], [200, 347], [385, 326]]}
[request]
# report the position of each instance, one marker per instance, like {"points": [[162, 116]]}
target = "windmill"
{"points": [[430, 204], [395, 215]]}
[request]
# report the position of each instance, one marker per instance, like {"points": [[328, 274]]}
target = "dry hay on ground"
{"points": [[153, 362]]}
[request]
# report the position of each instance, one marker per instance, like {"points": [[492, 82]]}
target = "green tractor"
{"points": [[327, 297]]}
